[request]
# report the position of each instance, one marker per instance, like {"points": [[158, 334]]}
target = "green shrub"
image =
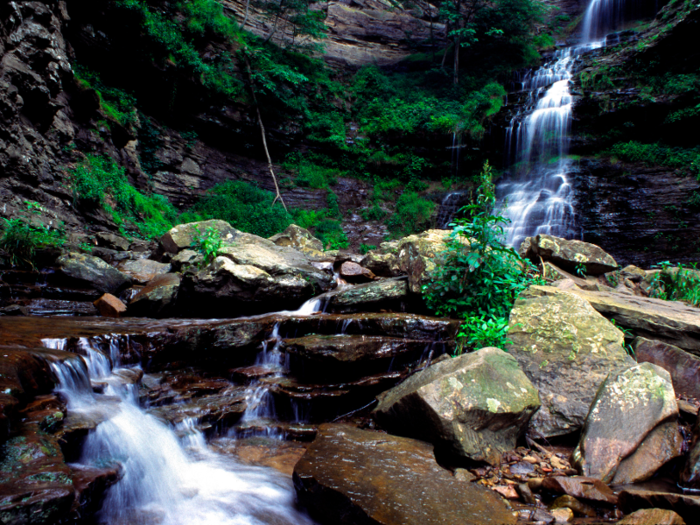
{"points": [[100, 182], [331, 234], [412, 215], [679, 283], [115, 103], [375, 213], [208, 243], [364, 248], [244, 206], [21, 240], [684, 159]]}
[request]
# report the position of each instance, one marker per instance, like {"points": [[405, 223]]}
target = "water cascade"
{"points": [[537, 194], [165, 479]]}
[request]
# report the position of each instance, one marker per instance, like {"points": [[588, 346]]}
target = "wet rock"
{"points": [[662, 445], [688, 507], [14, 309], [575, 505], [690, 475], [570, 254], [93, 271], [652, 517], [354, 273], [143, 270], [369, 296], [91, 485], [112, 241], [683, 366], [562, 515], [184, 236], [627, 407], [566, 349], [327, 357], [475, 405], [225, 408], [418, 256], [581, 487], [158, 298], [668, 321], [300, 239], [382, 264], [350, 476], [110, 306]]}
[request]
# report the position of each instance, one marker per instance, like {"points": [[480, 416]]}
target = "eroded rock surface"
{"points": [[571, 254]]}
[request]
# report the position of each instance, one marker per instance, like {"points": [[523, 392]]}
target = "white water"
{"points": [[537, 196], [164, 480]]}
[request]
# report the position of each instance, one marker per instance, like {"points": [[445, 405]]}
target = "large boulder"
{"points": [[687, 506], [570, 254], [158, 298], [300, 239], [475, 405], [652, 517], [418, 256], [369, 296], [143, 270], [567, 349], [668, 321], [93, 271], [384, 264], [184, 236], [349, 476], [683, 366], [627, 407]]}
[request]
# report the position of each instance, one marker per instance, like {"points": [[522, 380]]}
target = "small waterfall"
{"points": [[165, 480], [605, 16]]}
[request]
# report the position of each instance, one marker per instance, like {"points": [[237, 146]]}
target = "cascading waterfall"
{"points": [[537, 195], [165, 480]]}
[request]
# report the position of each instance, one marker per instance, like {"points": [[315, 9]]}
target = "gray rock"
{"points": [[112, 241], [143, 270], [567, 349], [683, 366], [93, 271], [183, 236], [475, 405], [627, 407], [300, 239], [568, 254], [369, 296], [158, 298]]}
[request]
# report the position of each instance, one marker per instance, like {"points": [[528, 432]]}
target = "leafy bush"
{"points": [[375, 213], [673, 157], [208, 243], [21, 240], [99, 182], [244, 206], [364, 248], [331, 234], [680, 283], [479, 276], [115, 103], [412, 215]]}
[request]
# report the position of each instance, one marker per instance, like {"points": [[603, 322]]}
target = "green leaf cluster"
{"points": [[677, 283], [21, 239]]}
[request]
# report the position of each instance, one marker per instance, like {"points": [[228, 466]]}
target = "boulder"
{"points": [[354, 273], [690, 476], [112, 241], [566, 349], [110, 306], [349, 476], [300, 239], [652, 517], [158, 298], [419, 254], [683, 366], [688, 507], [183, 236], [369, 296], [662, 445], [668, 321], [570, 254], [580, 487], [382, 264], [93, 271], [143, 270], [627, 407], [475, 405], [185, 259]]}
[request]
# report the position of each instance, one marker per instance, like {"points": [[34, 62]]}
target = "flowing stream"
{"points": [[537, 195]]}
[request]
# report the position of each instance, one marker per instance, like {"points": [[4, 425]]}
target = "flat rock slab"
{"points": [[93, 271], [581, 487], [688, 507], [368, 296], [566, 349], [683, 366], [143, 270], [668, 321], [349, 477], [627, 407], [570, 254], [475, 405], [652, 517]]}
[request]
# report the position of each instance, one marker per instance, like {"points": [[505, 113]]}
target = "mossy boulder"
{"points": [[418, 256], [626, 408], [184, 236], [475, 405], [369, 296], [571, 254], [300, 239], [567, 349]]}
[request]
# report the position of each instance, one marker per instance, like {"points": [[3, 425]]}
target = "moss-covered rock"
{"points": [[571, 254], [419, 254]]}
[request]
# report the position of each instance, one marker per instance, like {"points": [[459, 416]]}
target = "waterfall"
{"points": [[164, 479], [537, 194]]}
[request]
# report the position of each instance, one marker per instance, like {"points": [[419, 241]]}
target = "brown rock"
{"points": [[634, 499], [652, 517], [683, 366], [350, 476], [110, 306], [572, 503], [158, 298], [143, 270], [354, 273], [581, 487], [570, 254], [562, 515]]}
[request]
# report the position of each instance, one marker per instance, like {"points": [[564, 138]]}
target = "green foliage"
{"points": [[21, 239], [374, 213], [679, 283], [364, 248], [331, 234], [480, 331], [687, 160], [479, 276], [116, 104], [100, 182], [412, 215], [208, 243], [244, 206]]}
